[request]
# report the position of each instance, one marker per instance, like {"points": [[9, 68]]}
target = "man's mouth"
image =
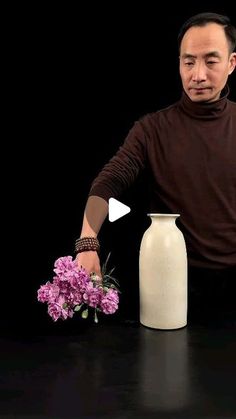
{"points": [[199, 89]]}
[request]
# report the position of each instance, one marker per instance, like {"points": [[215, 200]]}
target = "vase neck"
{"points": [[163, 219]]}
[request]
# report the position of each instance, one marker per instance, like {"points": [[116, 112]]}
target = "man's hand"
{"points": [[90, 262]]}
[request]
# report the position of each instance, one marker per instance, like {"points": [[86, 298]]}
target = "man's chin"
{"points": [[202, 97]]}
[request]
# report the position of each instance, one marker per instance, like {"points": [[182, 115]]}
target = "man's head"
{"points": [[206, 46]]}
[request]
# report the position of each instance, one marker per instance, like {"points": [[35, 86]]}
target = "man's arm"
{"points": [[115, 177], [95, 213]]}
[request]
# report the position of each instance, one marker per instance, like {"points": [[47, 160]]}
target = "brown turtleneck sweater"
{"points": [[189, 150]]}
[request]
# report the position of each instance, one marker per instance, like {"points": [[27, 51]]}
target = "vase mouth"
{"points": [[163, 215]]}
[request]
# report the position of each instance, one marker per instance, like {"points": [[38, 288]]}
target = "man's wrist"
{"points": [[87, 243]]}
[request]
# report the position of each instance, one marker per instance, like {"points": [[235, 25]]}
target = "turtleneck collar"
{"points": [[207, 110]]}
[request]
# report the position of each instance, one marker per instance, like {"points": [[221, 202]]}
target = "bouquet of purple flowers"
{"points": [[73, 290]]}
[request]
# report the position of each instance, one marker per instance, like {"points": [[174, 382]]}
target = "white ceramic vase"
{"points": [[163, 274]]}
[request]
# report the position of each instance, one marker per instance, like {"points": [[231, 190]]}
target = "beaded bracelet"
{"points": [[85, 244]]}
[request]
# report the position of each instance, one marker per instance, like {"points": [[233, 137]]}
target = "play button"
{"points": [[116, 209]]}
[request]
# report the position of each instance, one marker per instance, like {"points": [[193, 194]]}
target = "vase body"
{"points": [[163, 274]]}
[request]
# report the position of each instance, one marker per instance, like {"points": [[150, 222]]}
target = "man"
{"points": [[190, 151]]}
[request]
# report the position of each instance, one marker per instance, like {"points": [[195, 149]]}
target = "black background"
{"points": [[80, 77]]}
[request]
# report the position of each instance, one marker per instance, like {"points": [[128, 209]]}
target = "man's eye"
{"points": [[211, 62], [188, 63]]}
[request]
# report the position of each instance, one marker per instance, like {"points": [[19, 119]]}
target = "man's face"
{"points": [[205, 62]]}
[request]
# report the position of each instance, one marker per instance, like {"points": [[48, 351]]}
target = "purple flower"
{"points": [[92, 295], [48, 292], [57, 310], [74, 298], [72, 288], [64, 286], [64, 265], [109, 302], [79, 279]]}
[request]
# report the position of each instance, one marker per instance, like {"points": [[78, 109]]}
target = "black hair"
{"points": [[203, 19]]}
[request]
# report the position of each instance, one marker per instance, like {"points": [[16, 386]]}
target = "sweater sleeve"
{"points": [[123, 168]]}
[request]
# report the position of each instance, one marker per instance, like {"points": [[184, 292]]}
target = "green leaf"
{"points": [[108, 281], [104, 267], [95, 316], [78, 307], [84, 314], [64, 305], [114, 280], [110, 277], [112, 270]]}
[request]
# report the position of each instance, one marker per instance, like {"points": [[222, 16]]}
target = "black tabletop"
{"points": [[120, 370]]}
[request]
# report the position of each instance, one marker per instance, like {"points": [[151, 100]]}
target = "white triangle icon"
{"points": [[116, 209]]}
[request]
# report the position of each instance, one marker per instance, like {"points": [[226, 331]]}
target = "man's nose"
{"points": [[199, 72]]}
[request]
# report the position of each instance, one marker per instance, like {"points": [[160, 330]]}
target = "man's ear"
{"points": [[232, 62]]}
